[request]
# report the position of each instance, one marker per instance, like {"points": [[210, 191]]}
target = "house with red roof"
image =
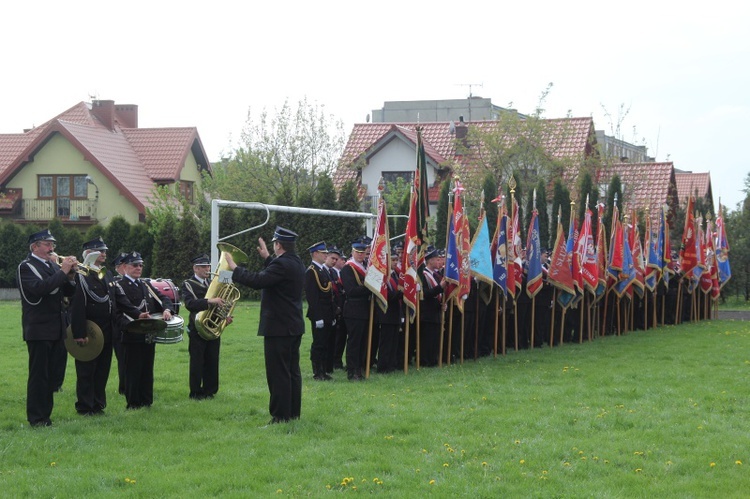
{"points": [[388, 150], [645, 186], [92, 162], [696, 184]]}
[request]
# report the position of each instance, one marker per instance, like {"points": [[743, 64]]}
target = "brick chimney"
{"points": [[462, 130], [104, 110], [127, 115]]}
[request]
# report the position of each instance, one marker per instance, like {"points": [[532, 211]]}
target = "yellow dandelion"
{"points": [[329, 486], [606, 461], [451, 449], [417, 470], [389, 437], [364, 480], [712, 465], [424, 451], [484, 398], [522, 461], [638, 470], [544, 472], [669, 463], [132, 482], [375, 479], [580, 452], [53, 464], [566, 463], [127, 480], [738, 462], [354, 487], [445, 465], [279, 491], [484, 463], [432, 482], [583, 458], [517, 442], [596, 458]]}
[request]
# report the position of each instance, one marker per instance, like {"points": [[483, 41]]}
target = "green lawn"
{"points": [[663, 413]]}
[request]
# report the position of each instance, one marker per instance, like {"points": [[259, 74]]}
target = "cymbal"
{"points": [[146, 326], [90, 350]]}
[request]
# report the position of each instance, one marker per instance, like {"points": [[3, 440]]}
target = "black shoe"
{"points": [[39, 424]]}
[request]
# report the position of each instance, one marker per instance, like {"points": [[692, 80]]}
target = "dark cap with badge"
{"points": [[284, 235], [203, 259], [119, 259], [431, 252], [333, 249], [132, 258], [44, 235], [360, 244], [95, 245], [320, 246]]}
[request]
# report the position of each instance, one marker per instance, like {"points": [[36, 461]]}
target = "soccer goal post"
{"points": [[217, 204]]}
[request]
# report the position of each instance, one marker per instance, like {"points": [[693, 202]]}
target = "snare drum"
{"points": [[173, 332], [168, 289]]}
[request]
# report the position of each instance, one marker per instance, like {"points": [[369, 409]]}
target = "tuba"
{"points": [[210, 323]]}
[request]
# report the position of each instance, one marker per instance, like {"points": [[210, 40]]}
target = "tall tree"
{"points": [[349, 228], [542, 207], [560, 201], [615, 188], [441, 217]]}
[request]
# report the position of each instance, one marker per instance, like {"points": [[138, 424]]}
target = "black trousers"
{"points": [[120, 355], [91, 382], [139, 374], [356, 345], [320, 336], [388, 348], [283, 376], [44, 365], [204, 366], [339, 342], [429, 343]]}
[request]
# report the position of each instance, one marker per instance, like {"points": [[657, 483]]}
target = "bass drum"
{"points": [[173, 332], [168, 289]]}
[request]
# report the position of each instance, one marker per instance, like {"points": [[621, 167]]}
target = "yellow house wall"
{"points": [[59, 157]]}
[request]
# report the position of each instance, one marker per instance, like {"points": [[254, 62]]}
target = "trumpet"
{"points": [[82, 269]]}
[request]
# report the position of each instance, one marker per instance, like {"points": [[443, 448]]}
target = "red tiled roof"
{"points": [[562, 138], [644, 184], [161, 150], [133, 159], [689, 183]]}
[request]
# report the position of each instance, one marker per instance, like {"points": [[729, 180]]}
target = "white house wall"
{"points": [[396, 156]]}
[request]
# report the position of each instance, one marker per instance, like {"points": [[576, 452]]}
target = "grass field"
{"points": [[663, 413]]}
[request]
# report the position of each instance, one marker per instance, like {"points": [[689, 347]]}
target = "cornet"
{"points": [[82, 269]]}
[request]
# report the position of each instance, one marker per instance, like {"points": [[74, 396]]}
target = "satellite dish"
{"points": [[452, 128]]}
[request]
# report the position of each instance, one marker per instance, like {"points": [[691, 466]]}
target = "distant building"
{"points": [[423, 111], [92, 162]]}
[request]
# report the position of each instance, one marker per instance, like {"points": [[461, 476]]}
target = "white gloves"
{"points": [[319, 324]]}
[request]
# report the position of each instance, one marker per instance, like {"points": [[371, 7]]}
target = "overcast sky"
{"points": [[680, 68]]}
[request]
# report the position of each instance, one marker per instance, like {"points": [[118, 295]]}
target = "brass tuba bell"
{"points": [[210, 323]]}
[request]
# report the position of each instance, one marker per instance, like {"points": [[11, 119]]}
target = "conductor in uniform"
{"points": [[281, 321], [204, 354], [96, 299], [139, 348], [43, 284]]}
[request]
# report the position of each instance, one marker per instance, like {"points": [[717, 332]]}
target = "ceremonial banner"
{"points": [[587, 255], [409, 278], [379, 268], [722, 250], [601, 253], [559, 269], [688, 252], [500, 251], [534, 257]]}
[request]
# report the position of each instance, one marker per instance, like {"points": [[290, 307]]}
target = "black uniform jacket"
{"points": [[281, 283], [395, 299], [357, 305], [42, 289], [98, 300], [194, 298], [430, 304], [319, 294], [141, 297]]}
